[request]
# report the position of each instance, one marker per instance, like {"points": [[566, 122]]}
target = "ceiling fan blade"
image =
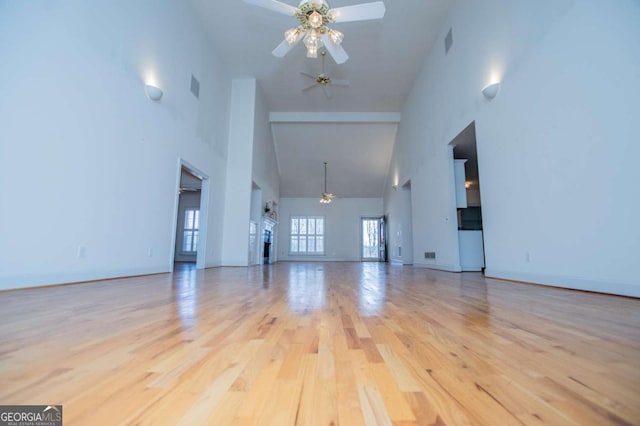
{"points": [[282, 49], [313, 77], [343, 83], [335, 50], [359, 12], [274, 5], [304, 89], [326, 91]]}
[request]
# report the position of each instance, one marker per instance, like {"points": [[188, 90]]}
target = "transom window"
{"points": [[307, 235], [191, 225]]}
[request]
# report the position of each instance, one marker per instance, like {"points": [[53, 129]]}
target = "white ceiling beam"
{"points": [[334, 117]]}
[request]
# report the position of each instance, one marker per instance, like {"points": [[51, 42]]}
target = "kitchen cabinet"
{"points": [[460, 177]]}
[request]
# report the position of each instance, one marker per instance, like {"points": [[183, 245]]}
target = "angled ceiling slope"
{"points": [[357, 148]]}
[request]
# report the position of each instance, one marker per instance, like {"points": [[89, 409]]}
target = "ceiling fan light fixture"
{"points": [[336, 36], [312, 52], [292, 35], [311, 39], [315, 19], [326, 197], [313, 43]]}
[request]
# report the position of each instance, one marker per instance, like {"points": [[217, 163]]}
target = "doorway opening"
{"points": [[468, 201], [373, 239], [191, 218]]}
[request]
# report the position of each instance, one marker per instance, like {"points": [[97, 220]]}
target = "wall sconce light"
{"points": [[394, 187], [154, 93], [490, 91]]}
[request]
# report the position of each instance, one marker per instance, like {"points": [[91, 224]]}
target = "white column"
{"points": [[237, 206]]}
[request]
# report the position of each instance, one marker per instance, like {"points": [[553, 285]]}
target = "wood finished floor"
{"points": [[321, 343]]}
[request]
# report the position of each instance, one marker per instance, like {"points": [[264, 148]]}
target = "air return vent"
{"points": [[429, 254], [448, 41], [195, 86]]}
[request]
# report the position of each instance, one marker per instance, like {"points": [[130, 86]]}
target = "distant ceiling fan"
{"points": [[323, 80], [313, 17], [326, 197]]}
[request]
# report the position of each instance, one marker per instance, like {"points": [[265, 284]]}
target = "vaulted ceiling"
{"points": [[385, 57]]}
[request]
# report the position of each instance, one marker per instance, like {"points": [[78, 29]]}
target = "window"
{"points": [[191, 225], [307, 235]]}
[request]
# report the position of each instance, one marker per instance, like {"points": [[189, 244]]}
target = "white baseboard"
{"points": [[234, 262], [620, 289], [317, 259], [27, 281], [438, 266], [472, 268]]}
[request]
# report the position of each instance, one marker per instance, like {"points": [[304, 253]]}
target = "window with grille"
{"points": [[191, 225], [307, 235]]}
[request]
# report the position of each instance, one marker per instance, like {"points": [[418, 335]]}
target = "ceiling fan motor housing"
{"points": [[323, 79], [305, 11]]}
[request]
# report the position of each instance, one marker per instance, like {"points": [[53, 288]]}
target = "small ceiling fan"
{"points": [[313, 17], [323, 80], [326, 197]]}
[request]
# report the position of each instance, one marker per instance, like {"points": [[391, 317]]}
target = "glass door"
{"points": [[371, 239]]}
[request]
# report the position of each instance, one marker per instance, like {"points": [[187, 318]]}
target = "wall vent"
{"points": [[195, 86], [448, 41], [429, 254]]}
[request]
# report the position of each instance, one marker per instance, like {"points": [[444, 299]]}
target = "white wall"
{"points": [[556, 147], [399, 225], [342, 225], [90, 161]]}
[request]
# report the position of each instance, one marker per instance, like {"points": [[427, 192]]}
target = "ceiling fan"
{"points": [[323, 80], [313, 17], [326, 197]]}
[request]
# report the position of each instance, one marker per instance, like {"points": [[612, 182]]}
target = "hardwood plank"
{"points": [[321, 343]]}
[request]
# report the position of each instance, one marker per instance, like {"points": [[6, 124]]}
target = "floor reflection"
{"points": [[474, 301], [185, 294], [372, 289], [261, 273], [307, 289]]}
